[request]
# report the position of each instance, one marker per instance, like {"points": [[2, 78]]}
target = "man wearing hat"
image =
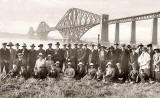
{"points": [[50, 50], [117, 51], [75, 55], [111, 56], [124, 61], [85, 59], [151, 53], [5, 57], [64, 49], [139, 50], [133, 60], [41, 50], [102, 57], [12, 53], [156, 64], [25, 52], [80, 53], [93, 56], [58, 54], [32, 57], [17, 49]]}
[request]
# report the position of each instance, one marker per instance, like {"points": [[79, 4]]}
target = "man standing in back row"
{"points": [[5, 58]]}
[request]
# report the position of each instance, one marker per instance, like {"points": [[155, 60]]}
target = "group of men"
{"points": [[125, 62]]}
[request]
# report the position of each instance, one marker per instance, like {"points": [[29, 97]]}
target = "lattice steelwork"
{"points": [[76, 22], [135, 18]]}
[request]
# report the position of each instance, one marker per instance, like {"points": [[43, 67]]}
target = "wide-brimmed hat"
{"points": [[32, 45], [91, 64], [50, 44], [57, 62], [17, 44], [128, 46], [149, 45], [40, 45], [24, 45], [49, 55], [4, 43], [40, 54], [69, 63], [156, 48], [57, 43], [10, 44], [80, 63], [109, 63]]}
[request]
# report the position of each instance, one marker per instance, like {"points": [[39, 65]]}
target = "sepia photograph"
{"points": [[79, 48]]}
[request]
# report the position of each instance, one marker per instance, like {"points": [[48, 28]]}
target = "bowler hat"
{"points": [[4, 43], [50, 44], [57, 43], [149, 45], [40, 45]]}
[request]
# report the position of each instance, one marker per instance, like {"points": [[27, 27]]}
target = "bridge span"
{"points": [[76, 22]]}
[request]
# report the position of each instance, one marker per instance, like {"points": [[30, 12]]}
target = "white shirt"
{"points": [[39, 63], [144, 60]]}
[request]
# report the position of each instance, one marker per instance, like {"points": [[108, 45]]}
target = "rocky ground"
{"points": [[50, 88]]}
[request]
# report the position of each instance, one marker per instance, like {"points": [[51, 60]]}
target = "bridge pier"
{"points": [[155, 31], [117, 33], [133, 32], [104, 29]]}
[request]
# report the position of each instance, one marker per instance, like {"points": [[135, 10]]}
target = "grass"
{"points": [[50, 88]]}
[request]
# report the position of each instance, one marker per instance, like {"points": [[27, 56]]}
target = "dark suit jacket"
{"points": [[5, 54]]}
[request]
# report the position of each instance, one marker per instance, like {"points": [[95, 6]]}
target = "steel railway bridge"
{"points": [[76, 22]]}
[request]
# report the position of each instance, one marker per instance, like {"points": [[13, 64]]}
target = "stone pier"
{"points": [[155, 31], [133, 32]]}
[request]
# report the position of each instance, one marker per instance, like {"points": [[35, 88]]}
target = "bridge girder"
{"points": [[76, 22]]}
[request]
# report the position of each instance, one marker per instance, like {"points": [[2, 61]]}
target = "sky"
{"points": [[17, 16]]}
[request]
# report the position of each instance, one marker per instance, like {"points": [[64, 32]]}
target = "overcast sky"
{"points": [[16, 16]]}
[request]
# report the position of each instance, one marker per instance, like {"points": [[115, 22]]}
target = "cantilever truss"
{"points": [[76, 22]]}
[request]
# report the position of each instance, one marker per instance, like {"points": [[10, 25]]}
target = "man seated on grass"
{"points": [[53, 73], [23, 73]]}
